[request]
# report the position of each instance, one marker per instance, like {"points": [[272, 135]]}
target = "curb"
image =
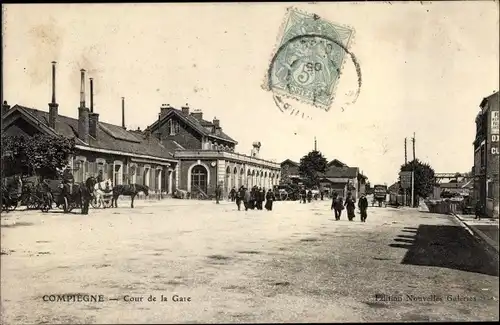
{"points": [[478, 234]]}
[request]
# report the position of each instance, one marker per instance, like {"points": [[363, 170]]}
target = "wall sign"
{"points": [[495, 122]]}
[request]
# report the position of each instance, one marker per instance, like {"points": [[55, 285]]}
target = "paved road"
{"points": [[294, 264]]}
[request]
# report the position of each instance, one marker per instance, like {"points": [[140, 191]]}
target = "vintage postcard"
{"points": [[250, 162]]}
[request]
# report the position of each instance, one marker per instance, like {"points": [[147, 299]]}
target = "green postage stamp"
{"points": [[308, 59]]}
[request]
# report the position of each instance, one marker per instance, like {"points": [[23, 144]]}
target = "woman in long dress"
{"points": [[350, 205], [269, 200]]}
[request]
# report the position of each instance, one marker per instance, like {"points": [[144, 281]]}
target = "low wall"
{"points": [[445, 207]]}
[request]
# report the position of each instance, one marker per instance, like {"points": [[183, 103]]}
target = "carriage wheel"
{"points": [[65, 205], [33, 203]]}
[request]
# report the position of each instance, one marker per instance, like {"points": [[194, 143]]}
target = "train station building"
{"points": [[179, 151]]}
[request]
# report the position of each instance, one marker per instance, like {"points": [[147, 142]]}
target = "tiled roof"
{"points": [[198, 125], [341, 172], [109, 136], [337, 163], [291, 162]]}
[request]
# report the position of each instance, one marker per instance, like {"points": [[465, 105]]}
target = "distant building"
{"points": [[339, 177], [290, 172], [462, 188], [486, 155]]}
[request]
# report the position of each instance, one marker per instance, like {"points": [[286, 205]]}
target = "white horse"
{"points": [[104, 188]]}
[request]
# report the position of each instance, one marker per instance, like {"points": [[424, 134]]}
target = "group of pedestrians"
{"points": [[350, 205], [252, 199]]}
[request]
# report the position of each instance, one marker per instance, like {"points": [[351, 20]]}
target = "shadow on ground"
{"points": [[445, 246]]}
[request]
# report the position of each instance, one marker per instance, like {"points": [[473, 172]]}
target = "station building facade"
{"points": [[206, 156], [179, 151]]}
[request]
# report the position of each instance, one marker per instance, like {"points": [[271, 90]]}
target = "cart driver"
{"points": [[68, 179], [99, 176]]}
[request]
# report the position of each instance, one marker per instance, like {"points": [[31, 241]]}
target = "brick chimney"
{"points": [[53, 106], [5, 107], [164, 109], [216, 122], [198, 114], [83, 112], [185, 109], [93, 117], [218, 129]]}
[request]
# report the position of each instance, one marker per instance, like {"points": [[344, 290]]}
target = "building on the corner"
{"points": [[124, 156], [206, 154], [486, 155], [342, 179], [290, 172]]}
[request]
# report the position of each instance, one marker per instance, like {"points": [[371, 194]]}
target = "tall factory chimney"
{"points": [[53, 106], [83, 112], [123, 112]]}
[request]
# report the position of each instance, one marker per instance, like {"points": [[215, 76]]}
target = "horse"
{"points": [[100, 189], [128, 190], [79, 193]]}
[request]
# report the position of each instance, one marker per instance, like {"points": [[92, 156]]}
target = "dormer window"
{"points": [[173, 127]]}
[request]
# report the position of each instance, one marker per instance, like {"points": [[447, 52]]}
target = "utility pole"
{"points": [[315, 145], [413, 140], [406, 159]]}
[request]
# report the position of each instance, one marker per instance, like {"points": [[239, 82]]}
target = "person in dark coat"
{"points": [[309, 196], [68, 180], [247, 199], [269, 200], [240, 195], [232, 194], [262, 198], [350, 205], [303, 195], [478, 210], [363, 207], [100, 177], [322, 195], [218, 193], [337, 206], [253, 197]]}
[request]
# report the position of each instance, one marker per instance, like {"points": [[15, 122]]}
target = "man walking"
{"points": [[232, 194], [218, 193], [479, 210], [337, 206], [240, 196], [363, 206]]}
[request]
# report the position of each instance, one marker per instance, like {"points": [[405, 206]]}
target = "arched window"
{"points": [[199, 178], [233, 178], [227, 185], [241, 177]]}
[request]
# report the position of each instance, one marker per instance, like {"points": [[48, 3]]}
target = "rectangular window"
{"points": [[483, 156]]}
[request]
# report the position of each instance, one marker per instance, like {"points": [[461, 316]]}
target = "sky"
{"points": [[425, 68]]}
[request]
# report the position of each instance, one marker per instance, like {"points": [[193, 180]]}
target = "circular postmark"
{"points": [[307, 68]]}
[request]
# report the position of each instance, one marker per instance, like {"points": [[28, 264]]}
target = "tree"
{"points": [[423, 178], [311, 167], [40, 155]]}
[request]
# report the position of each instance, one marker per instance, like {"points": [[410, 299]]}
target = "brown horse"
{"points": [[128, 190]]}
